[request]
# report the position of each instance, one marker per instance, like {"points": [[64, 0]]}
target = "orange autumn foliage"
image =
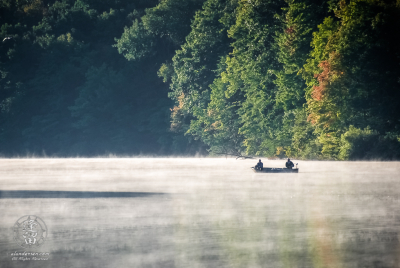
{"points": [[318, 92], [331, 70]]}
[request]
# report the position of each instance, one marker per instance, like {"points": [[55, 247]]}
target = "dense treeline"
{"points": [[301, 78], [65, 90]]}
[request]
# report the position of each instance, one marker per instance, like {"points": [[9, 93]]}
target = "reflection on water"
{"points": [[203, 213]]}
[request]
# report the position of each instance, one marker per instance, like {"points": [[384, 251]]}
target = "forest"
{"points": [[304, 79]]}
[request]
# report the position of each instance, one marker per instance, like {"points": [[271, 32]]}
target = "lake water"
{"points": [[202, 212]]}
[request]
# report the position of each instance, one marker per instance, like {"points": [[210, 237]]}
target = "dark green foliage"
{"points": [[171, 19], [66, 91], [195, 67], [136, 43], [299, 78], [364, 144]]}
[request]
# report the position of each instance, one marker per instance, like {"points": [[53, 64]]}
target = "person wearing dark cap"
{"points": [[289, 164], [259, 165]]}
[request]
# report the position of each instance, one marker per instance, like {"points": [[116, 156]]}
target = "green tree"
{"points": [[352, 72], [250, 69], [299, 20], [66, 91], [195, 66]]}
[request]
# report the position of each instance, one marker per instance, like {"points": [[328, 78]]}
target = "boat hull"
{"points": [[276, 170]]}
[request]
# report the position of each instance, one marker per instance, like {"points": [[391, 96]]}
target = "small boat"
{"points": [[276, 170]]}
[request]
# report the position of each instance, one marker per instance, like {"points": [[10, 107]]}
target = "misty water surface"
{"points": [[203, 212]]}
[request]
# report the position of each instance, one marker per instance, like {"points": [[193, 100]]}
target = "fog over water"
{"points": [[202, 212]]}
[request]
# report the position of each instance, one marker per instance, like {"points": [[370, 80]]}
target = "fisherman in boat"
{"points": [[259, 165], [289, 164]]}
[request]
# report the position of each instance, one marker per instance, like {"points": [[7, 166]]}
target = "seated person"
{"points": [[259, 165], [289, 164]]}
